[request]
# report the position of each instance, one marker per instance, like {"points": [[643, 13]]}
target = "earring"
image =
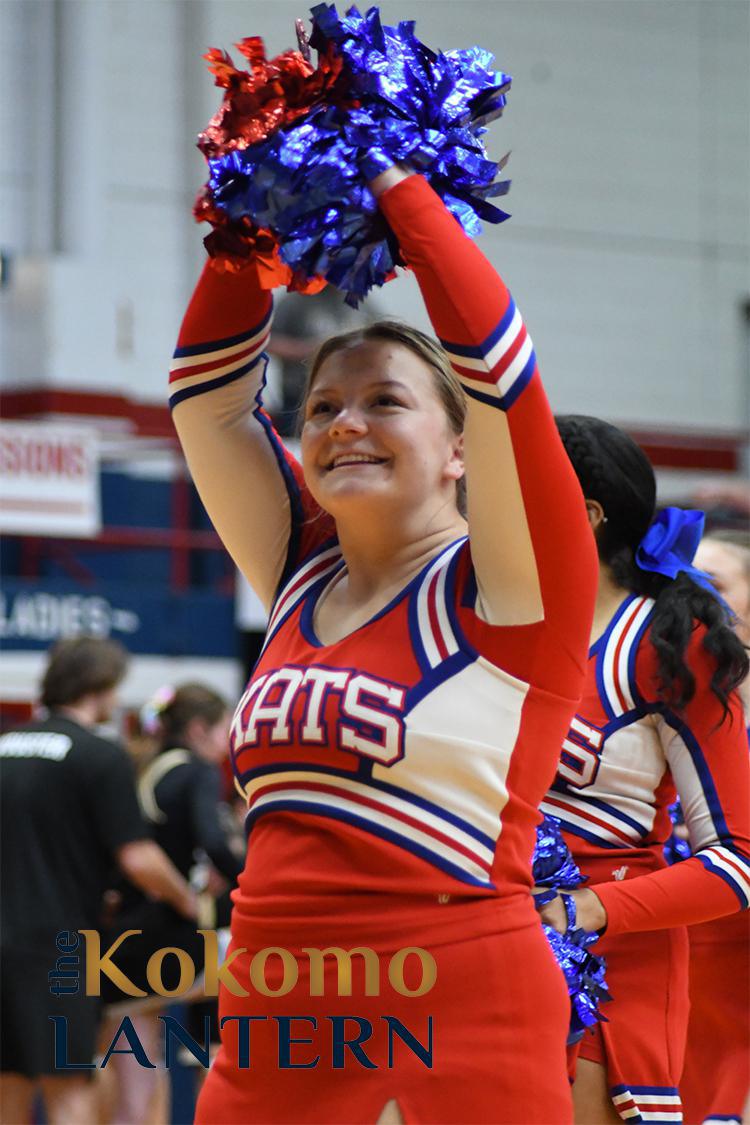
{"points": [[605, 519]]}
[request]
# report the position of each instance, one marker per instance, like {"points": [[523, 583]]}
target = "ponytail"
{"points": [[615, 472]]}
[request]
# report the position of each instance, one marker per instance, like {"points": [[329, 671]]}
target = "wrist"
{"points": [[593, 910], [389, 178]]}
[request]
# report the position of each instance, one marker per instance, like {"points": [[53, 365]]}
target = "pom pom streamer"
{"points": [[553, 865], [291, 149], [584, 976], [555, 869], [272, 94], [677, 847]]}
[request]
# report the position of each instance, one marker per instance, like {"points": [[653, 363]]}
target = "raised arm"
{"points": [[532, 548], [249, 484]]}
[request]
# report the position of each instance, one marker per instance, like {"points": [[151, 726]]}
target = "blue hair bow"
{"points": [[669, 546]]}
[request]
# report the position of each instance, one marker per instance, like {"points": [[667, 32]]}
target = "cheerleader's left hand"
{"points": [[590, 913]]}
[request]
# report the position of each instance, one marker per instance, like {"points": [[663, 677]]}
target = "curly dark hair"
{"points": [[614, 471]]}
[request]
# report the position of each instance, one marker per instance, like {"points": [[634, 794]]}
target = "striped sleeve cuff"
{"points": [[730, 866], [204, 367], [657, 1105], [498, 370]]}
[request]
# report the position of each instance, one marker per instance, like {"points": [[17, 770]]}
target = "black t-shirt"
{"points": [[180, 796], [67, 803]]}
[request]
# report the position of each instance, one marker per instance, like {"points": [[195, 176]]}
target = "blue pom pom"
{"points": [[555, 869], [553, 865], [584, 976], [307, 183]]}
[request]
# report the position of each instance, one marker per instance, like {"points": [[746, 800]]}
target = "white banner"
{"points": [[49, 479]]}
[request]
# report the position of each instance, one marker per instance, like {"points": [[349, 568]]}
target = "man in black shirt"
{"points": [[68, 816]]}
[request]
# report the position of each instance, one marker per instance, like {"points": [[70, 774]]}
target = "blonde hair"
{"points": [[446, 383]]}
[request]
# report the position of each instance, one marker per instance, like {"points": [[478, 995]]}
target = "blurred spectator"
{"points": [[180, 792], [725, 555], [141, 739], [68, 814], [727, 505]]}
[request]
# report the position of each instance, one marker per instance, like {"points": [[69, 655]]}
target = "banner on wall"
{"points": [[34, 614], [173, 638], [49, 480]]}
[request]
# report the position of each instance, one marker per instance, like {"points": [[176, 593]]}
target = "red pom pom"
{"points": [[240, 245], [266, 98], [259, 101]]}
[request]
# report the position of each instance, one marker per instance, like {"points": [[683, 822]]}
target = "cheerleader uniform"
{"points": [[625, 755], [393, 776]]}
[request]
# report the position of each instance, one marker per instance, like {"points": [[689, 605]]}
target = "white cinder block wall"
{"points": [[627, 250]]}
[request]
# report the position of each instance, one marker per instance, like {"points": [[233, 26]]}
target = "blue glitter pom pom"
{"points": [[394, 101], [553, 865], [584, 976], [555, 869]]}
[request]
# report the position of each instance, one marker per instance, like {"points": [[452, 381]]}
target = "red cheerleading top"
{"points": [[625, 756], [406, 760]]}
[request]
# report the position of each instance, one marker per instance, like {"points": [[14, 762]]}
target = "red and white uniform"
{"points": [[393, 777], [625, 755]]}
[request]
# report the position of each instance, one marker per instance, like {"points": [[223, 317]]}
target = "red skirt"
{"points": [[716, 1079], [484, 1043], [642, 1044]]}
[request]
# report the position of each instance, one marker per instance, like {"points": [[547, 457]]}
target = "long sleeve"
{"points": [[250, 485], [710, 765], [532, 548]]}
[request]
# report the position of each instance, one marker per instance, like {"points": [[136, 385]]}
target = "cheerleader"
{"points": [[404, 719], [659, 711]]}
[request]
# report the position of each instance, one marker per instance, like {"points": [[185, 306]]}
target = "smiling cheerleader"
{"points": [[420, 671]]}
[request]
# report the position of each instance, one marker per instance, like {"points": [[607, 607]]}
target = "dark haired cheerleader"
{"points": [[659, 713]]}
